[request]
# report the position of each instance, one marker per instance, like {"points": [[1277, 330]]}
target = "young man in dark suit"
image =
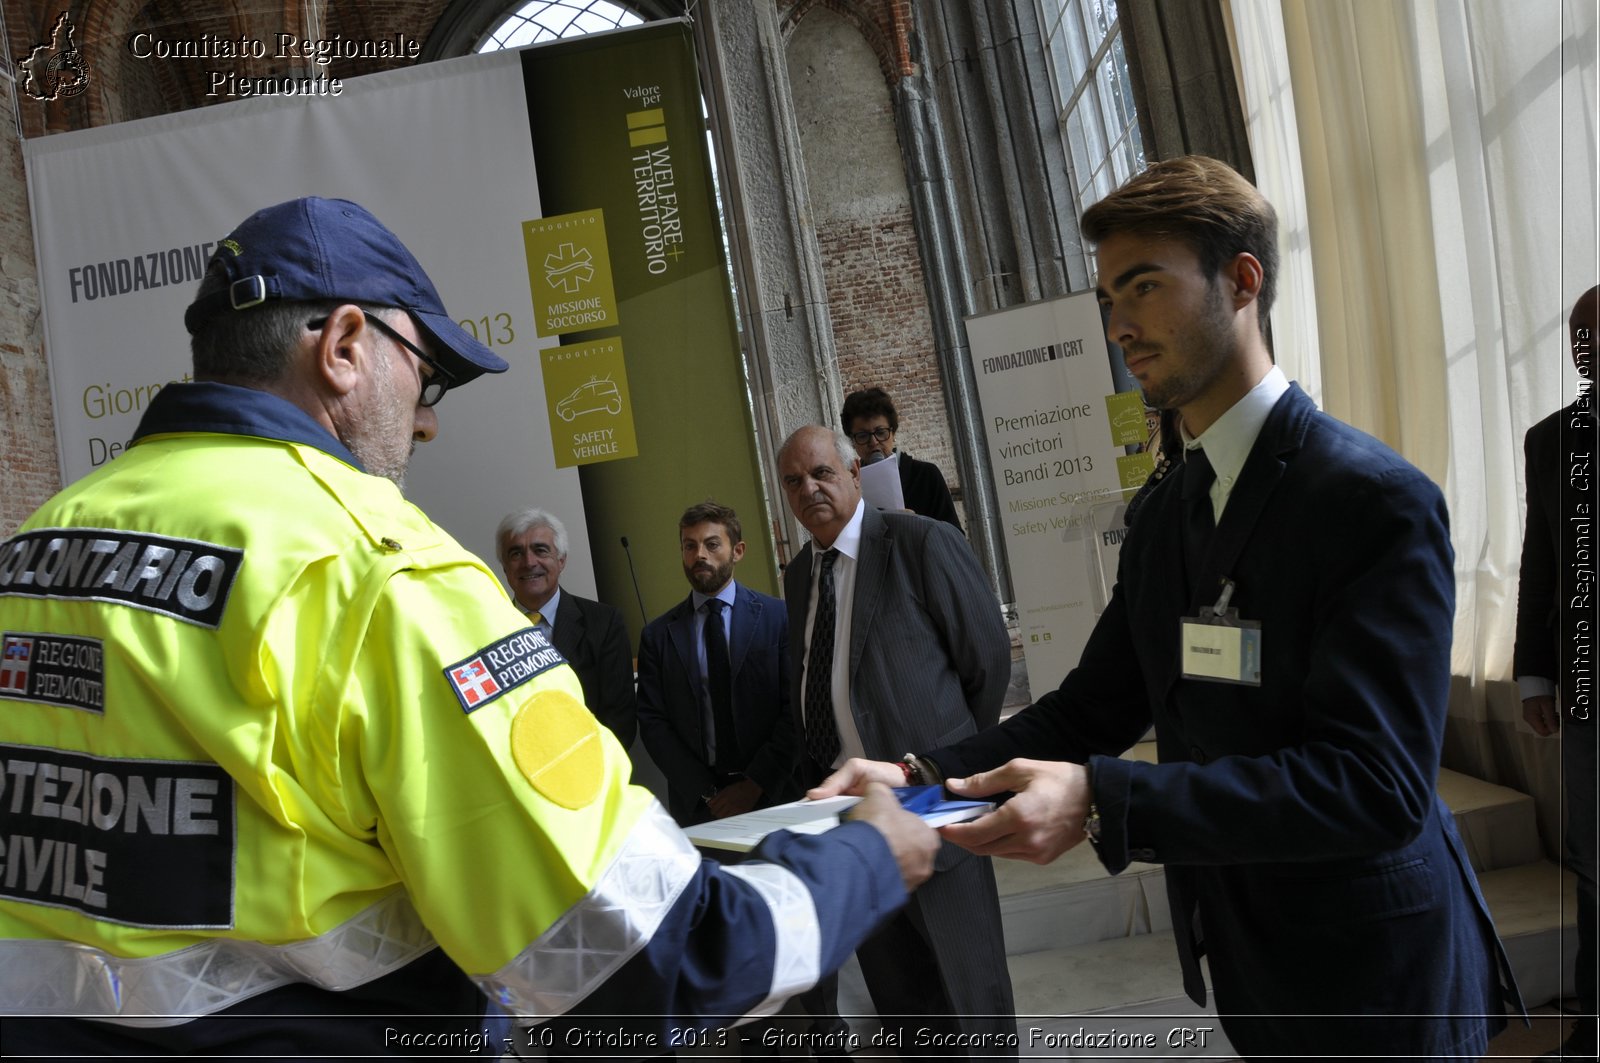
{"points": [[1561, 497], [1283, 616], [714, 701], [897, 643], [591, 635]]}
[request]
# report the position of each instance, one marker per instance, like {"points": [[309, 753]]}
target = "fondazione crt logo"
{"points": [[55, 70]]}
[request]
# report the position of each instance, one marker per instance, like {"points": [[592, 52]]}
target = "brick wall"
{"points": [[882, 328], [842, 55], [29, 473]]}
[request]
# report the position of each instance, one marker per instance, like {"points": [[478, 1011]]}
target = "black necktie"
{"points": [[1198, 522], [822, 734], [719, 684]]}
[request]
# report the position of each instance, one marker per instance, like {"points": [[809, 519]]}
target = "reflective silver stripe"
{"points": [[62, 978], [797, 952], [600, 933]]}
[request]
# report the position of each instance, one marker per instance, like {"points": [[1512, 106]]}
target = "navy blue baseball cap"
{"points": [[316, 249]]}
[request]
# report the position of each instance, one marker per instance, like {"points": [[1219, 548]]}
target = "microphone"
{"points": [[643, 617], [875, 457]]}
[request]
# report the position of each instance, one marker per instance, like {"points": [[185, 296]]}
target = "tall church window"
{"points": [[1099, 125]]}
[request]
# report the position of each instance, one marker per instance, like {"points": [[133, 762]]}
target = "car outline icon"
{"points": [[1128, 417], [595, 395]]}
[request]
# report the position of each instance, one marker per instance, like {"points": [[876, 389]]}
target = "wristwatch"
{"points": [[1091, 822], [920, 772]]}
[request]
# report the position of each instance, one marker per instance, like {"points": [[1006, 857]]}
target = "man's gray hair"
{"points": [[841, 444], [254, 346], [519, 521]]}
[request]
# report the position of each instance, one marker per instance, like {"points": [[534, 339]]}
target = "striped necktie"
{"points": [[822, 733]]}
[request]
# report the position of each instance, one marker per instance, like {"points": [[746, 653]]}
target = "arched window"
{"points": [[546, 20]]}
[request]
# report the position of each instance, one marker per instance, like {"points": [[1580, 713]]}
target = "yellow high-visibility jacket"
{"points": [[263, 725]]}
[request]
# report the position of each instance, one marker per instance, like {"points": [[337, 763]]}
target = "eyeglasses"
{"points": [[433, 387], [880, 433]]}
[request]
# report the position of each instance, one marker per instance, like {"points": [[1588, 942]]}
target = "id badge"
{"points": [[1218, 646]]}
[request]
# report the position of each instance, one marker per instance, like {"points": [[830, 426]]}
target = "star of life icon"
{"points": [[56, 69], [569, 268]]}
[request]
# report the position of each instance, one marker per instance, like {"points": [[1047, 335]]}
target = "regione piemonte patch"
{"points": [[53, 669], [500, 667]]}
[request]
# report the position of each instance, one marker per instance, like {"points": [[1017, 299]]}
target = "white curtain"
{"points": [[1446, 155], [1268, 96]]}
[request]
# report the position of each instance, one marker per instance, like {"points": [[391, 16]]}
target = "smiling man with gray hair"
{"points": [[591, 635]]}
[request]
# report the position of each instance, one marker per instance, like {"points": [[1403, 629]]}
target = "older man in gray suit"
{"points": [[898, 644]]}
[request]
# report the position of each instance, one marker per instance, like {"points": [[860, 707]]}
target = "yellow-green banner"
{"points": [[647, 396]]}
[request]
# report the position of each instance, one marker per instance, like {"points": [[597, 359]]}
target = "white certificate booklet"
{"points": [[743, 833]]}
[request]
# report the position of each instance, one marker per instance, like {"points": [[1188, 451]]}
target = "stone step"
{"points": [[1100, 976], [1535, 911], [1498, 824], [1131, 989], [1534, 908], [1073, 901], [1109, 999]]}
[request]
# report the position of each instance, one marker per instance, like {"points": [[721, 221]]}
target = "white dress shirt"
{"points": [[1228, 441], [844, 595]]}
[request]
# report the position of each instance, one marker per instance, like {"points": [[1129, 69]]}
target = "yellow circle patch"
{"points": [[556, 744]]}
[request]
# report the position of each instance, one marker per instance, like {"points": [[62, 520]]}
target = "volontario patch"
{"points": [[555, 742], [53, 669], [500, 667], [185, 579]]}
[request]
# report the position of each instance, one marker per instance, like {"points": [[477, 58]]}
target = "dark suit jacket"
{"points": [[594, 640], [929, 664], [671, 719], [1540, 649], [925, 491], [1298, 820]]}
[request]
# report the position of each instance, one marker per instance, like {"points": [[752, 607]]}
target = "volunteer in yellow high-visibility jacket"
{"points": [[272, 743]]}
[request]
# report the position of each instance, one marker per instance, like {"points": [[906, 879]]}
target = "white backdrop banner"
{"points": [[1054, 438], [126, 216]]}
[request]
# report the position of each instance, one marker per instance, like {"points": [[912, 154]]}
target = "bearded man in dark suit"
{"points": [[721, 730]]}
